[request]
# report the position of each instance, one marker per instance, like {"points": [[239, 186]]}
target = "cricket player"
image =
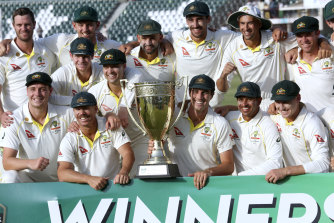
{"points": [[93, 156], [258, 147], [35, 135], [304, 138]]}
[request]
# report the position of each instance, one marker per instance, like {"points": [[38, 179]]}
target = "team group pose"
{"points": [[64, 116]]}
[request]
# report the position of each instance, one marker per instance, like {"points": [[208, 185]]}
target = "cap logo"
{"points": [[81, 46], [200, 81], [148, 27], [192, 8], [109, 57], [81, 100], [36, 76], [301, 25], [84, 13], [244, 9], [244, 89], [280, 91]]}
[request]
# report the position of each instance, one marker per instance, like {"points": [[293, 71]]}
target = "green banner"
{"points": [[307, 198]]}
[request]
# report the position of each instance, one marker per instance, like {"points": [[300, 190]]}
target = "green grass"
{"points": [[229, 98]]}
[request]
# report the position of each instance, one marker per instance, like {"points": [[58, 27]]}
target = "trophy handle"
{"points": [[179, 83], [124, 84]]}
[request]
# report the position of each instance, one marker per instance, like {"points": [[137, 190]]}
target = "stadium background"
{"points": [[119, 18]]}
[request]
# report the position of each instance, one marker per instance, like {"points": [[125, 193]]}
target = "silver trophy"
{"points": [[155, 103]]}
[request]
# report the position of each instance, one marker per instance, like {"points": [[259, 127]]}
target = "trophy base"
{"points": [[152, 171]]}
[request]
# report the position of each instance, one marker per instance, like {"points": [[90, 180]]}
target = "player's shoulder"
{"points": [[95, 89], [232, 116], [218, 120]]}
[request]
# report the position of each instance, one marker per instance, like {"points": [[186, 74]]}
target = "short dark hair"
{"points": [[24, 11]]}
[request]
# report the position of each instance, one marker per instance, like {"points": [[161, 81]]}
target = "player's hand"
{"points": [[291, 56], [39, 164], [332, 162], [200, 178], [150, 147], [6, 119], [222, 110], [100, 37], [279, 34], [123, 116], [212, 29], [5, 47], [122, 178], [166, 47], [98, 183], [126, 48], [229, 68], [272, 109], [74, 127], [277, 174], [325, 50], [113, 121]]}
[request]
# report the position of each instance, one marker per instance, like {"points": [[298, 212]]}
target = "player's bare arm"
{"points": [[128, 159]]}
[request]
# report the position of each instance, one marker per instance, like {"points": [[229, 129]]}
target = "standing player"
{"points": [[35, 135], [148, 57], [110, 99], [329, 16], [96, 151], [24, 57], [80, 75], [258, 147], [304, 138], [314, 76], [201, 140]]}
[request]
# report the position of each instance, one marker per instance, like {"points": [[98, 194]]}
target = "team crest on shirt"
{"points": [[206, 131], [178, 132], [268, 51], [185, 52], [255, 136], [163, 63], [40, 62], [83, 150], [105, 142], [55, 127], [326, 65], [137, 62], [30, 135], [301, 70], [244, 63], [210, 47], [296, 133], [319, 139]]}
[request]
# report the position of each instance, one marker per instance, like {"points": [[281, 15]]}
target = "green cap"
{"points": [[329, 10], [285, 91], [85, 13], [112, 56], [305, 24], [82, 46], [38, 77], [203, 82], [196, 8], [148, 27], [248, 89], [83, 99]]}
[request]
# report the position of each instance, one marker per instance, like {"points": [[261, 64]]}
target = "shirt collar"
{"points": [[254, 121], [208, 118], [36, 49], [101, 126], [27, 116], [209, 36], [265, 41], [301, 116]]}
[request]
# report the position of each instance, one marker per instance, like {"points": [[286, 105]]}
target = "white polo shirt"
{"points": [[327, 117], [258, 144], [16, 66], [60, 45], [316, 81], [32, 140], [97, 158], [304, 142], [198, 148], [264, 65], [201, 58], [162, 68], [65, 82]]}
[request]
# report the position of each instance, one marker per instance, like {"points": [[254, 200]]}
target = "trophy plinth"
{"points": [[155, 107]]}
